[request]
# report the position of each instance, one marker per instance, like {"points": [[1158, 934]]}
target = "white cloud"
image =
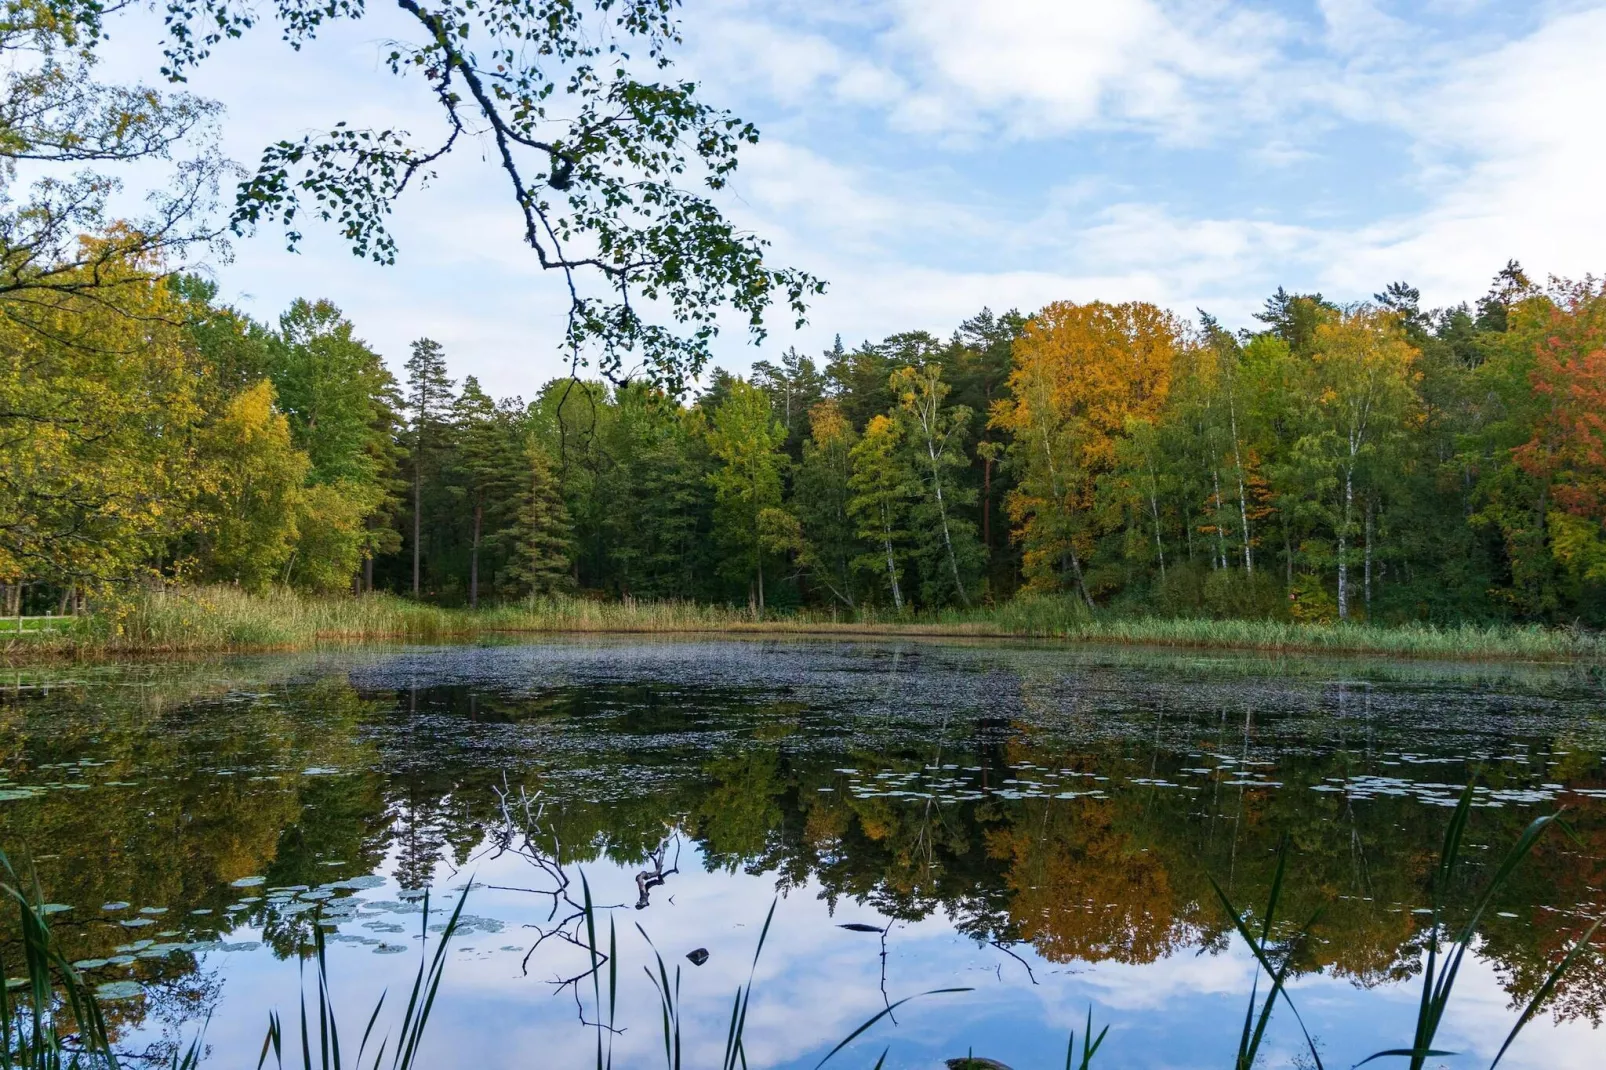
{"points": [[1043, 67], [1512, 167]]}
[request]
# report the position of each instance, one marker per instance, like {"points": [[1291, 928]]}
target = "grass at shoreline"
{"points": [[224, 619]]}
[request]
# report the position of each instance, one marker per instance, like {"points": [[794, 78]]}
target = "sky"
{"points": [[931, 157]]}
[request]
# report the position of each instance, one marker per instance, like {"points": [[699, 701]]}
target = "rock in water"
{"points": [[972, 1063], [698, 957]]}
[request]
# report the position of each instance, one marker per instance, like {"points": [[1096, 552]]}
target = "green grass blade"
{"points": [[1544, 991], [851, 1037], [368, 1031], [1249, 1042], [436, 970], [273, 1040], [1405, 1053]]}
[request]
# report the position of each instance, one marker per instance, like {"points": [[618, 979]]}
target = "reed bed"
{"points": [[180, 620]]}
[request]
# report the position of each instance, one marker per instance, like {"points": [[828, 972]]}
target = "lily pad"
{"points": [[358, 884], [248, 882], [119, 990], [134, 923], [89, 964], [53, 908], [153, 910], [390, 949], [114, 906]]}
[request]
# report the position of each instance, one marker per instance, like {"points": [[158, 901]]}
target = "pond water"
{"points": [[1037, 824]]}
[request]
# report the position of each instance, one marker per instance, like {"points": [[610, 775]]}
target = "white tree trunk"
{"points": [[1343, 546], [1243, 506]]}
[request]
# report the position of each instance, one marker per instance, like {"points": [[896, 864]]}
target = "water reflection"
{"points": [[1037, 819]]}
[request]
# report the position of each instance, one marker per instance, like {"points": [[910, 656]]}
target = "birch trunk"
{"points": [[1343, 544], [1368, 567], [1221, 535], [1243, 506], [892, 564]]}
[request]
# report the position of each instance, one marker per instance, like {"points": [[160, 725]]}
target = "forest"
{"points": [[1372, 461]]}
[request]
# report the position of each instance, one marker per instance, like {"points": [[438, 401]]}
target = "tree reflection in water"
{"points": [[1069, 803]]}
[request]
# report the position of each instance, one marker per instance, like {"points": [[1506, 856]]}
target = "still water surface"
{"points": [[1034, 823]]}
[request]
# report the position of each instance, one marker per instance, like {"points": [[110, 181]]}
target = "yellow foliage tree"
{"points": [[99, 391], [251, 492], [1081, 373]]}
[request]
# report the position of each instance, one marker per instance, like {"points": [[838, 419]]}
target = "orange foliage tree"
{"points": [[1081, 373], [1567, 451]]}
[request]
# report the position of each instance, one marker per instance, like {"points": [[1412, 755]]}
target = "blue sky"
{"points": [[929, 157]]}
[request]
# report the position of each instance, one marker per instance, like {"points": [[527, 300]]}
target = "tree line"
{"points": [[1376, 460]]}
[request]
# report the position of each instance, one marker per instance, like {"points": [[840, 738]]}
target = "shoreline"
{"points": [[227, 621]]}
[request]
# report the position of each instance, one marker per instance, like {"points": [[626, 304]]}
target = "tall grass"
{"points": [[57, 1004], [321, 1050], [226, 619]]}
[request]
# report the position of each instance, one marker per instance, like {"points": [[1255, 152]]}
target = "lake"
{"points": [[1035, 823]]}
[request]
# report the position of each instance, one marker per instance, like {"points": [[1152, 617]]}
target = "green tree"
{"points": [[979, 360], [820, 496], [540, 532], [745, 440], [611, 164], [331, 387], [429, 399], [883, 488], [331, 537], [1362, 373], [935, 433], [488, 468], [794, 387], [659, 511]]}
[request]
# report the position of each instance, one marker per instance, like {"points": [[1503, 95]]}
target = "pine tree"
{"points": [[487, 468], [429, 396], [541, 534], [794, 387]]}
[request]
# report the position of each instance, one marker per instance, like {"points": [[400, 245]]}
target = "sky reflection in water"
{"points": [[1034, 823]]}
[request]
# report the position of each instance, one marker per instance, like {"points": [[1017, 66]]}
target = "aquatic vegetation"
{"points": [[58, 1022], [182, 619], [326, 1042], [868, 772]]}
